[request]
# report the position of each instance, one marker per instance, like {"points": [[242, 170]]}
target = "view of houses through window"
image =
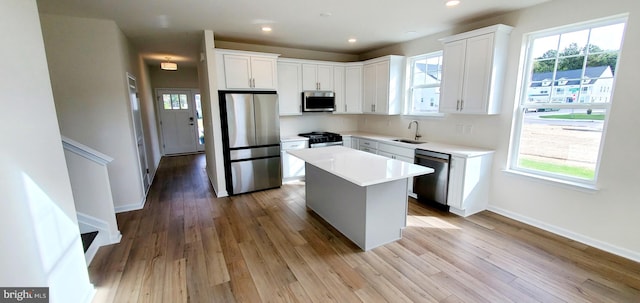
{"points": [[565, 99], [424, 76]]}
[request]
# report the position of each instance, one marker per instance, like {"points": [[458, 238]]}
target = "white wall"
{"points": [[92, 193], [606, 218], [287, 52], [40, 239], [184, 77], [88, 60], [211, 115]]}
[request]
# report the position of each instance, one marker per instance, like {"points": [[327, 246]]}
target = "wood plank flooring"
{"points": [[188, 246]]}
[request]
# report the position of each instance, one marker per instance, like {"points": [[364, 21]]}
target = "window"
{"points": [[424, 75], [559, 136], [175, 101]]}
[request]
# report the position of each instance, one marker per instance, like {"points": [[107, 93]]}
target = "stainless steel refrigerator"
{"points": [[251, 140]]}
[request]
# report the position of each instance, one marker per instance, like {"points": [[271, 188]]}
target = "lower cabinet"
{"points": [[468, 191], [292, 167], [469, 184], [370, 146], [399, 153]]}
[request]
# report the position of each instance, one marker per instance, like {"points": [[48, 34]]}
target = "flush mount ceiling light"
{"points": [[352, 40], [451, 3], [169, 65], [266, 28]]}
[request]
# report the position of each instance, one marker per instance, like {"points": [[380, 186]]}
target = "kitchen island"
{"points": [[362, 195]]}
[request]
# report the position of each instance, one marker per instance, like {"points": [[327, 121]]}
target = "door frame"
{"points": [[145, 178], [192, 106]]}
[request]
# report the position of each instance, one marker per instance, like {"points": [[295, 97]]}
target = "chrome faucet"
{"points": [[417, 136]]}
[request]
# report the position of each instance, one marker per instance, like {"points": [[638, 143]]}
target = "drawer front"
{"points": [[368, 149], [394, 149], [368, 143], [289, 145]]}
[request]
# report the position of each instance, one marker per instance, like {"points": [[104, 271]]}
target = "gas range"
{"points": [[320, 139]]}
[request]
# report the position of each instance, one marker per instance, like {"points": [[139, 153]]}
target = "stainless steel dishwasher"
{"points": [[432, 188]]}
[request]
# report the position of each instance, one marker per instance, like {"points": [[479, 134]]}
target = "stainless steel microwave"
{"points": [[318, 101]]}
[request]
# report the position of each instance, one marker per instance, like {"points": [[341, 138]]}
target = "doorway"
{"points": [[180, 112], [139, 132]]}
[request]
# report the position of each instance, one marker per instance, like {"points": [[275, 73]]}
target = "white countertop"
{"points": [[456, 150], [358, 167]]}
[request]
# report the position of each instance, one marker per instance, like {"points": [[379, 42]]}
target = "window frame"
{"points": [[408, 104], [523, 106]]}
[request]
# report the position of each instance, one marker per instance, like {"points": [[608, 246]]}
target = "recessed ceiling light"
{"points": [[352, 40], [326, 14], [266, 29], [451, 3]]}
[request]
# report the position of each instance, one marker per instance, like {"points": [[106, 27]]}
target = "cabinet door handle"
{"points": [[457, 105], [374, 108], [250, 83], [345, 107], [461, 104]]}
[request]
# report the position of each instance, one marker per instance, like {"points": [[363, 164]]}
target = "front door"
{"points": [[178, 121]]}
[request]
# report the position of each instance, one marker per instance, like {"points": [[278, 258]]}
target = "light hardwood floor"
{"points": [[188, 246]]}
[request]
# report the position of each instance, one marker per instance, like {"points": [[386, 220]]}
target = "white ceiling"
{"points": [[173, 28]]}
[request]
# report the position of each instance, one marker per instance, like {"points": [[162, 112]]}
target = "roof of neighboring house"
{"points": [[429, 69], [573, 76]]}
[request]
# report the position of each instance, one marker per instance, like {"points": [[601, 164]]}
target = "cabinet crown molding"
{"points": [[506, 29], [240, 52]]}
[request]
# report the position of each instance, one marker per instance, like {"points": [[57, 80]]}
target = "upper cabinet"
{"points": [[246, 70], [473, 71], [317, 77], [289, 88], [382, 83], [349, 97]]}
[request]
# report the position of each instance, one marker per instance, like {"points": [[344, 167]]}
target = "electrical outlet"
{"points": [[468, 129], [458, 128]]}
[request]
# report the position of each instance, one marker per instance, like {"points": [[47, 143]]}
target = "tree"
{"points": [[572, 57]]}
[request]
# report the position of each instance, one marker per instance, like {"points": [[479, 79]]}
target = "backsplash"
{"points": [[293, 125], [469, 130]]}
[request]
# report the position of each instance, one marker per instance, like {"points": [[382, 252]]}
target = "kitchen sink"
{"points": [[408, 141]]}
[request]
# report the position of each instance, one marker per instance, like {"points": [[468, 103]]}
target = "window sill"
{"points": [[583, 187]]}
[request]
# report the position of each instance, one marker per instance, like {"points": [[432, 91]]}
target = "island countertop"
{"points": [[358, 167]]}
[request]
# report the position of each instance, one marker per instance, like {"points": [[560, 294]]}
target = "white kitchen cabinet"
{"points": [[338, 88], [351, 103], [382, 85], [370, 146], [292, 167], [473, 71], [468, 191], [246, 70], [289, 88], [355, 142], [346, 141], [403, 154], [317, 77]]}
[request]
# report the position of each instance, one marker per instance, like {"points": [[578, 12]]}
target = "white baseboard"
{"points": [[219, 194], [623, 252], [131, 207]]}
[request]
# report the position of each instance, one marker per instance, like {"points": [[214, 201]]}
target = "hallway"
{"points": [[188, 246]]}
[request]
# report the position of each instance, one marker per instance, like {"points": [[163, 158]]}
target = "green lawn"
{"points": [[576, 116], [573, 171]]}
